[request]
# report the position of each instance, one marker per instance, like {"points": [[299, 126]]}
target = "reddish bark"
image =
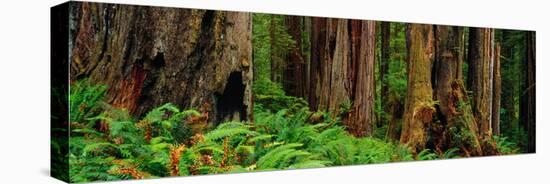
{"points": [[149, 56]]}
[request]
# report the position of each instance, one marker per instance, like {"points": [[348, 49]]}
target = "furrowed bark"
{"points": [[480, 56], [342, 69], [362, 115], [419, 104], [294, 80], [496, 92], [454, 112], [528, 95], [149, 56]]}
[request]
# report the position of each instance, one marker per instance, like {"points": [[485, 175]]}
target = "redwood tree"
{"points": [[497, 88], [294, 76], [419, 104], [384, 62], [342, 71], [528, 93], [362, 83], [454, 112], [149, 56], [480, 82]]}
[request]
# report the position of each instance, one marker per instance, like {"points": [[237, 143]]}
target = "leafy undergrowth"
{"points": [[165, 143]]}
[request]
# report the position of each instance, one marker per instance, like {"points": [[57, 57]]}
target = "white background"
{"points": [[24, 90]]}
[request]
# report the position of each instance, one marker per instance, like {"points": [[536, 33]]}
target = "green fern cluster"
{"points": [[328, 141], [83, 99], [506, 146], [153, 145]]}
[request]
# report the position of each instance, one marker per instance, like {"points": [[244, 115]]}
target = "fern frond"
{"points": [[221, 133], [263, 137], [310, 164], [451, 153], [427, 155], [271, 159], [96, 148]]}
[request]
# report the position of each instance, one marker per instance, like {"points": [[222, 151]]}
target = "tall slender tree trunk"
{"points": [[295, 71], [384, 63], [362, 84], [306, 53], [510, 85], [318, 43], [395, 106], [480, 80], [419, 104], [528, 93], [497, 86], [323, 42], [273, 51]]}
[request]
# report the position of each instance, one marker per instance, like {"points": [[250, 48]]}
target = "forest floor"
{"points": [[107, 143]]}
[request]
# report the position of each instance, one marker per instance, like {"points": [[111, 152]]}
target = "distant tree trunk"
{"points": [[393, 105], [511, 86], [455, 115], [419, 104], [342, 69], [480, 56], [149, 56], [384, 63], [496, 92], [306, 53], [273, 50], [295, 72], [528, 97]]}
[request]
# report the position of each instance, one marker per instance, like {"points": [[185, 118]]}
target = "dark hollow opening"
{"points": [[152, 68], [230, 104]]}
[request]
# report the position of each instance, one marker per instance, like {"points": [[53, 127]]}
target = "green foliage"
{"points": [[83, 99], [270, 41], [428, 154], [505, 146], [279, 139], [512, 67], [345, 106], [91, 169], [270, 96], [267, 87], [326, 141], [395, 78], [108, 143]]}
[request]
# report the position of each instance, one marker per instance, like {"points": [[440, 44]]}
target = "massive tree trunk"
{"points": [[342, 69], [528, 93], [294, 81], [496, 92], [480, 82], [419, 104], [454, 111], [149, 56]]}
